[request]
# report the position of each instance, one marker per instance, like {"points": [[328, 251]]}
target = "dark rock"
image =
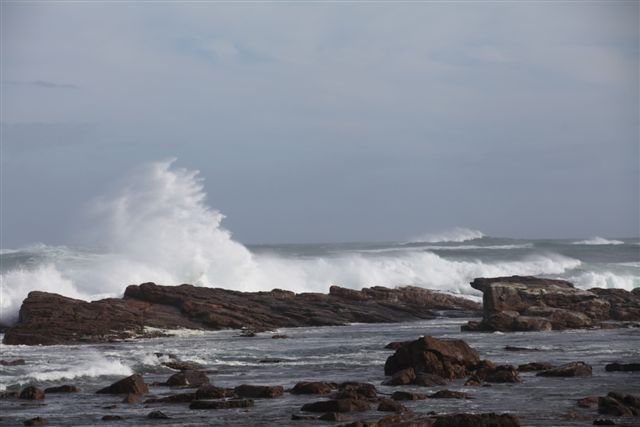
{"points": [[396, 345], [535, 366], [477, 420], [7, 394], [37, 421], [587, 402], [619, 404], [133, 384], [221, 404], [312, 387], [14, 362], [448, 394], [388, 405], [279, 336], [337, 405], [356, 390], [429, 380], [258, 391], [188, 378], [270, 360], [502, 374], [297, 417], [175, 398], [403, 377], [111, 418], [473, 381], [603, 422], [32, 393], [514, 348], [405, 395], [131, 398], [49, 319], [213, 392], [446, 358], [624, 367], [522, 303], [62, 389], [157, 415], [573, 369], [333, 416]]}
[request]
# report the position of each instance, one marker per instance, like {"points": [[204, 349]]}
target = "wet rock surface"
{"points": [[574, 369], [49, 319], [524, 303], [133, 384]]}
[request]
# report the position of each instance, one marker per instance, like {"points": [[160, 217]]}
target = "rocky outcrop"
{"points": [[133, 384], [618, 404], [573, 369], [49, 319], [32, 393], [523, 303]]}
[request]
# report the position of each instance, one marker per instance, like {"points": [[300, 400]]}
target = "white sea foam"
{"points": [[156, 226], [599, 241], [457, 234], [605, 279]]}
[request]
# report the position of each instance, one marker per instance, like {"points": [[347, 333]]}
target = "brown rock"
{"points": [[337, 405], [448, 394], [477, 420], [619, 405], [312, 387], [258, 391], [405, 395], [111, 418], [213, 392], [403, 377], [188, 378], [429, 380], [356, 390], [175, 398], [573, 369], [37, 421], [388, 405], [133, 384], [333, 416], [535, 366], [179, 365], [31, 393], [62, 389], [588, 402], [131, 398], [221, 404], [14, 362], [157, 415]]}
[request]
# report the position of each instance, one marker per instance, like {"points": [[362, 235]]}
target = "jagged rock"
{"points": [[157, 415], [62, 389], [446, 358], [573, 369], [618, 404], [188, 378], [213, 392], [523, 303], [623, 367], [356, 390], [477, 420], [535, 366], [221, 404], [388, 405], [337, 405], [133, 384], [32, 393], [49, 319], [313, 387], [258, 391]]}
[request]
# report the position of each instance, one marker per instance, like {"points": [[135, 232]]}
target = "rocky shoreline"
{"points": [[516, 303], [52, 319]]}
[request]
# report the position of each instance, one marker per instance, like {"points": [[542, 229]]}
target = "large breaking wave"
{"points": [[156, 225]]}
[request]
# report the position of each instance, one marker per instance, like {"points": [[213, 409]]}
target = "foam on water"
{"points": [[599, 241], [457, 234], [155, 225]]}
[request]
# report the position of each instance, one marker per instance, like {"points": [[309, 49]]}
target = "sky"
{"points": [[340, 121]]}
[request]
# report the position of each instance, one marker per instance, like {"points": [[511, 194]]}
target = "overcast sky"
{"points": [[329, 122]]}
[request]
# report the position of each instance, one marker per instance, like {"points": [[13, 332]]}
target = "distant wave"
{"points": [[443, 248], [599, 241], [457, 234]]}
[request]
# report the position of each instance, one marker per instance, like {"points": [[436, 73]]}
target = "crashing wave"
{"points": [[599, 241], [454, 235]]}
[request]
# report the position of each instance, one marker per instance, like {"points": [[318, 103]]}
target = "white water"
{"points": [[457, 234], [155, 225], [599, 241]]}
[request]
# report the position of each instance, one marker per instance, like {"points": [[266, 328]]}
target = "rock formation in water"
{"points": [[521, 303], [49, 319]]}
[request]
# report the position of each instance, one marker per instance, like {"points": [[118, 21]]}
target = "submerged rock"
{"points": [[15, 362], [32, 393], [313, 387], [188, 378], [535, 366], [623, 367], [619, 404], [448, 394], [337, 405], [221, 404], [213, 392], [157, 415], [37, 421], [573, 369], [258, 391], [67, 388]]}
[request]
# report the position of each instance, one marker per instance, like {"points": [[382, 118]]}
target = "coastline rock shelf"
{"points": [[522, 303], [50, 319]]}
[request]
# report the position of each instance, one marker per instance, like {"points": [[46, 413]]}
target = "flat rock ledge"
{"points": [[52, 319], [524, 303]]}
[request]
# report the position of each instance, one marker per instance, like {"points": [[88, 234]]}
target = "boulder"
{"points": [[356, 390], [133, 384], [573, 369], [429, 380], [213, 392], [405, 395], [448, 394], [446, 358], [337, 405], [402, 377], [587, 402], [313, 387], [37, 421], [188, 378], [131, 398], [221, 404], [389, 405], [535, 366], [477, 420], [333, 417], [111, 418], [524, 303], [619, 405], [15, 362], [32, 393], [157, 415], [258, 391], [175, 398], [67, 388]]}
